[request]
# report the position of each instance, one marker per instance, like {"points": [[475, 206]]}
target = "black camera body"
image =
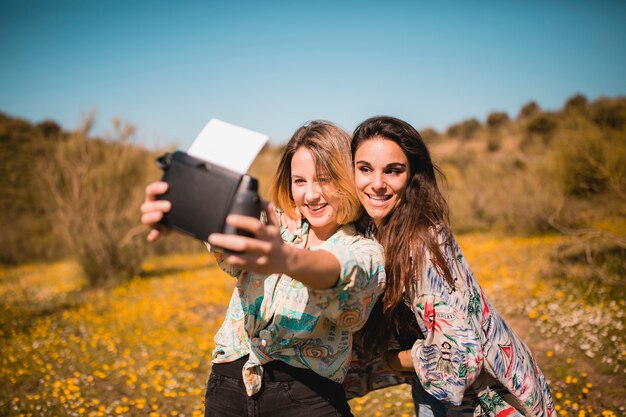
{"points": [[203, 194]]}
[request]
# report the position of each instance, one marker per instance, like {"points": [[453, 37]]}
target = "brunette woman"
{"points": [[469, 359]]}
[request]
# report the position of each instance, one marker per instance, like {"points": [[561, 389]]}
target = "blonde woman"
{"points": [[286, 340]]}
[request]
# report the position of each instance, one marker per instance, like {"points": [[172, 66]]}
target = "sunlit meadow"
{"points": [[144, 348]]}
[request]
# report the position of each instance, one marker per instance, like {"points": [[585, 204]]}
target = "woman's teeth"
{"points": [[316, 207], [378, 200], [379, 197]]}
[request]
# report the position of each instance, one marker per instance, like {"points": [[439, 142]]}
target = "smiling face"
{"points": [[314, 196], [381, 174]]}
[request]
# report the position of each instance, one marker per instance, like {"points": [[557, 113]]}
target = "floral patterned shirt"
{"points": [[469, 358], [275, 317]]}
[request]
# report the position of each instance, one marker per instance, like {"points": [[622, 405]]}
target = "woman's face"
{"points": [[381, 173], [315, 197]]}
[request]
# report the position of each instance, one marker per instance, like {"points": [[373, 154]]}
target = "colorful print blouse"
{"points": [[276, 317], [469, 359]]}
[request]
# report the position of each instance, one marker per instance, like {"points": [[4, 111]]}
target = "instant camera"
{"points": [[202, 192]]}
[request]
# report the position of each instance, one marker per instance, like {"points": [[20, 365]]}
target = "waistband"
{"points": [[274, 371]]}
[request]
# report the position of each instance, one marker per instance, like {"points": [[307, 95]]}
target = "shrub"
{"points": [[542, 125], [49, 129], [496, 120], [610, 113], [26, 231], [465, 129], [576, 102], [530, 109], [454, 130], [469, 128], [506, 195], [494, 142], [94, 190], [589, 160]]}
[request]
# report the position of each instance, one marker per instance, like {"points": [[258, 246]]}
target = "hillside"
{"points": [[560, 171]]}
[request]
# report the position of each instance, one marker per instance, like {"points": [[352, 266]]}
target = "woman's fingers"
{"points": [[259, 254], [153, 235], [248, 261], [249, 224], [162, 206], [151, 218], [152, 210], [236, 243], [154, 189]]}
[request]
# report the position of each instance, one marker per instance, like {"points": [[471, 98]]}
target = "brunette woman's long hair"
{"points": [[410, 234]]}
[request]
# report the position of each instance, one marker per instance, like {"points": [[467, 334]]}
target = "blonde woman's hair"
{"points": [[330, 147]]}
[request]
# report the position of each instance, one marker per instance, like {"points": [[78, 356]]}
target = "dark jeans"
{"points": [[280, 396], [425, 404]]}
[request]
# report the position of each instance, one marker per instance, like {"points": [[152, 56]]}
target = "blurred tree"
{"points": [[94, 189], [497, 119], [465, 129], [454, 130], [49, 129], [588, 160], [469, 128], [543, 125], [576, 102], [609, 113], [530, 109]]}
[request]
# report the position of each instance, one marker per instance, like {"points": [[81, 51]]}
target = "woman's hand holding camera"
{"points": [[265, 253], [152, 210]]}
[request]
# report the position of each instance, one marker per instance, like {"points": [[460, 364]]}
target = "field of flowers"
{"points": [[143, 348]]}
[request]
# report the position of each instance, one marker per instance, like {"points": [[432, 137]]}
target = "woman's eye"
{"points": [[364, 169], [298, 181]]}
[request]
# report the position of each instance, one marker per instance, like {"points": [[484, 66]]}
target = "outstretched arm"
{"points": [[266, 254]]}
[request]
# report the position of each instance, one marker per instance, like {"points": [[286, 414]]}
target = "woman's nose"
{"points": [[312, 191], [378, 182]]}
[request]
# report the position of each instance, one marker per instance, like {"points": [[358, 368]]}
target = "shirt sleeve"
{"points": [[449, 358], [361, 281]]}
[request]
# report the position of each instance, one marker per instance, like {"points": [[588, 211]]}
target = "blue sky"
{"points": [[168, 67]]}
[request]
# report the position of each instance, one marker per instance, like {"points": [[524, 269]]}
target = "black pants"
{"points": [[286, 391]]}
